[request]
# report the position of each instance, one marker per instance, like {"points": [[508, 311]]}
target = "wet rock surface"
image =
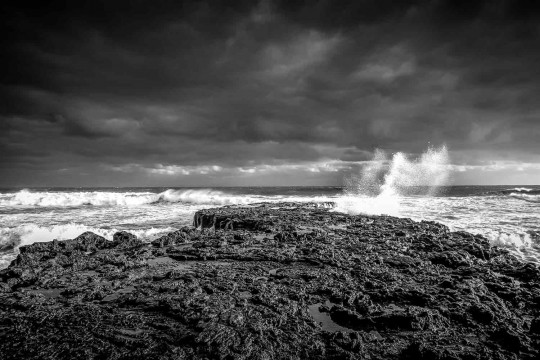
{"points": [[285, 281]]}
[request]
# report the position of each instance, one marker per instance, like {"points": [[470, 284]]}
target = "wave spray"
{"points": [[378, 187]]}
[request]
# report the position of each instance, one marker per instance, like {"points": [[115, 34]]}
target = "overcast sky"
{"points": [[183, 93]]}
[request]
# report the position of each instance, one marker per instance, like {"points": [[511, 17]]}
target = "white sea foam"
{"points": [[520, 244], [204, 196], [504, 239], [26, 198]]}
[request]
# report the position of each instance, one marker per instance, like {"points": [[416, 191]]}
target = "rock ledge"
{"points": [[286, 281]]}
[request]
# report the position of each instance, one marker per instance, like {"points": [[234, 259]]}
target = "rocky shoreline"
{"points": [[287, 281]]}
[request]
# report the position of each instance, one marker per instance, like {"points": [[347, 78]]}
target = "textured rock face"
{"points": [[294, 282]]}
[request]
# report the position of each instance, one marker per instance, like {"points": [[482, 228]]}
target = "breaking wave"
{"points": [[202, 196], [521, 189], [27, 198]]}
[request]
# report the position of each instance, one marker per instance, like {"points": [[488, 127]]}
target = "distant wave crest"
{"points": [[521, 189], [523, 193], [520, 193], [534, 198]]}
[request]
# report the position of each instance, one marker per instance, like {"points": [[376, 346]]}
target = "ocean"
{"points": [[509, 216]]}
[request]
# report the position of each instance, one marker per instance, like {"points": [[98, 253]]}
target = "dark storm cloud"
{"points": [[118, 88]]}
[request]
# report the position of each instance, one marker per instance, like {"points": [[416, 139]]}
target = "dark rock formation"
{"points": [[272, 282], [124, 239]]}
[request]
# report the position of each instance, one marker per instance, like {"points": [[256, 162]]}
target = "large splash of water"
{"points": [[377, 189]]}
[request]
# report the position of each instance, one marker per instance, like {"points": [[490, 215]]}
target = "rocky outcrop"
{"points": [[285, 281]]}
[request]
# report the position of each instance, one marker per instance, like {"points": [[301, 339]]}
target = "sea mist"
{"points": [[378, 187]]}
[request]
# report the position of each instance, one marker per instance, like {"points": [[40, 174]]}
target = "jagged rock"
{"points": [[123, 239], [451, 259], [482, 313], [176, 237]]}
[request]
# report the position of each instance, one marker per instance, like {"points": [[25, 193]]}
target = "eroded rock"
{"points": [[279, 281]]}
